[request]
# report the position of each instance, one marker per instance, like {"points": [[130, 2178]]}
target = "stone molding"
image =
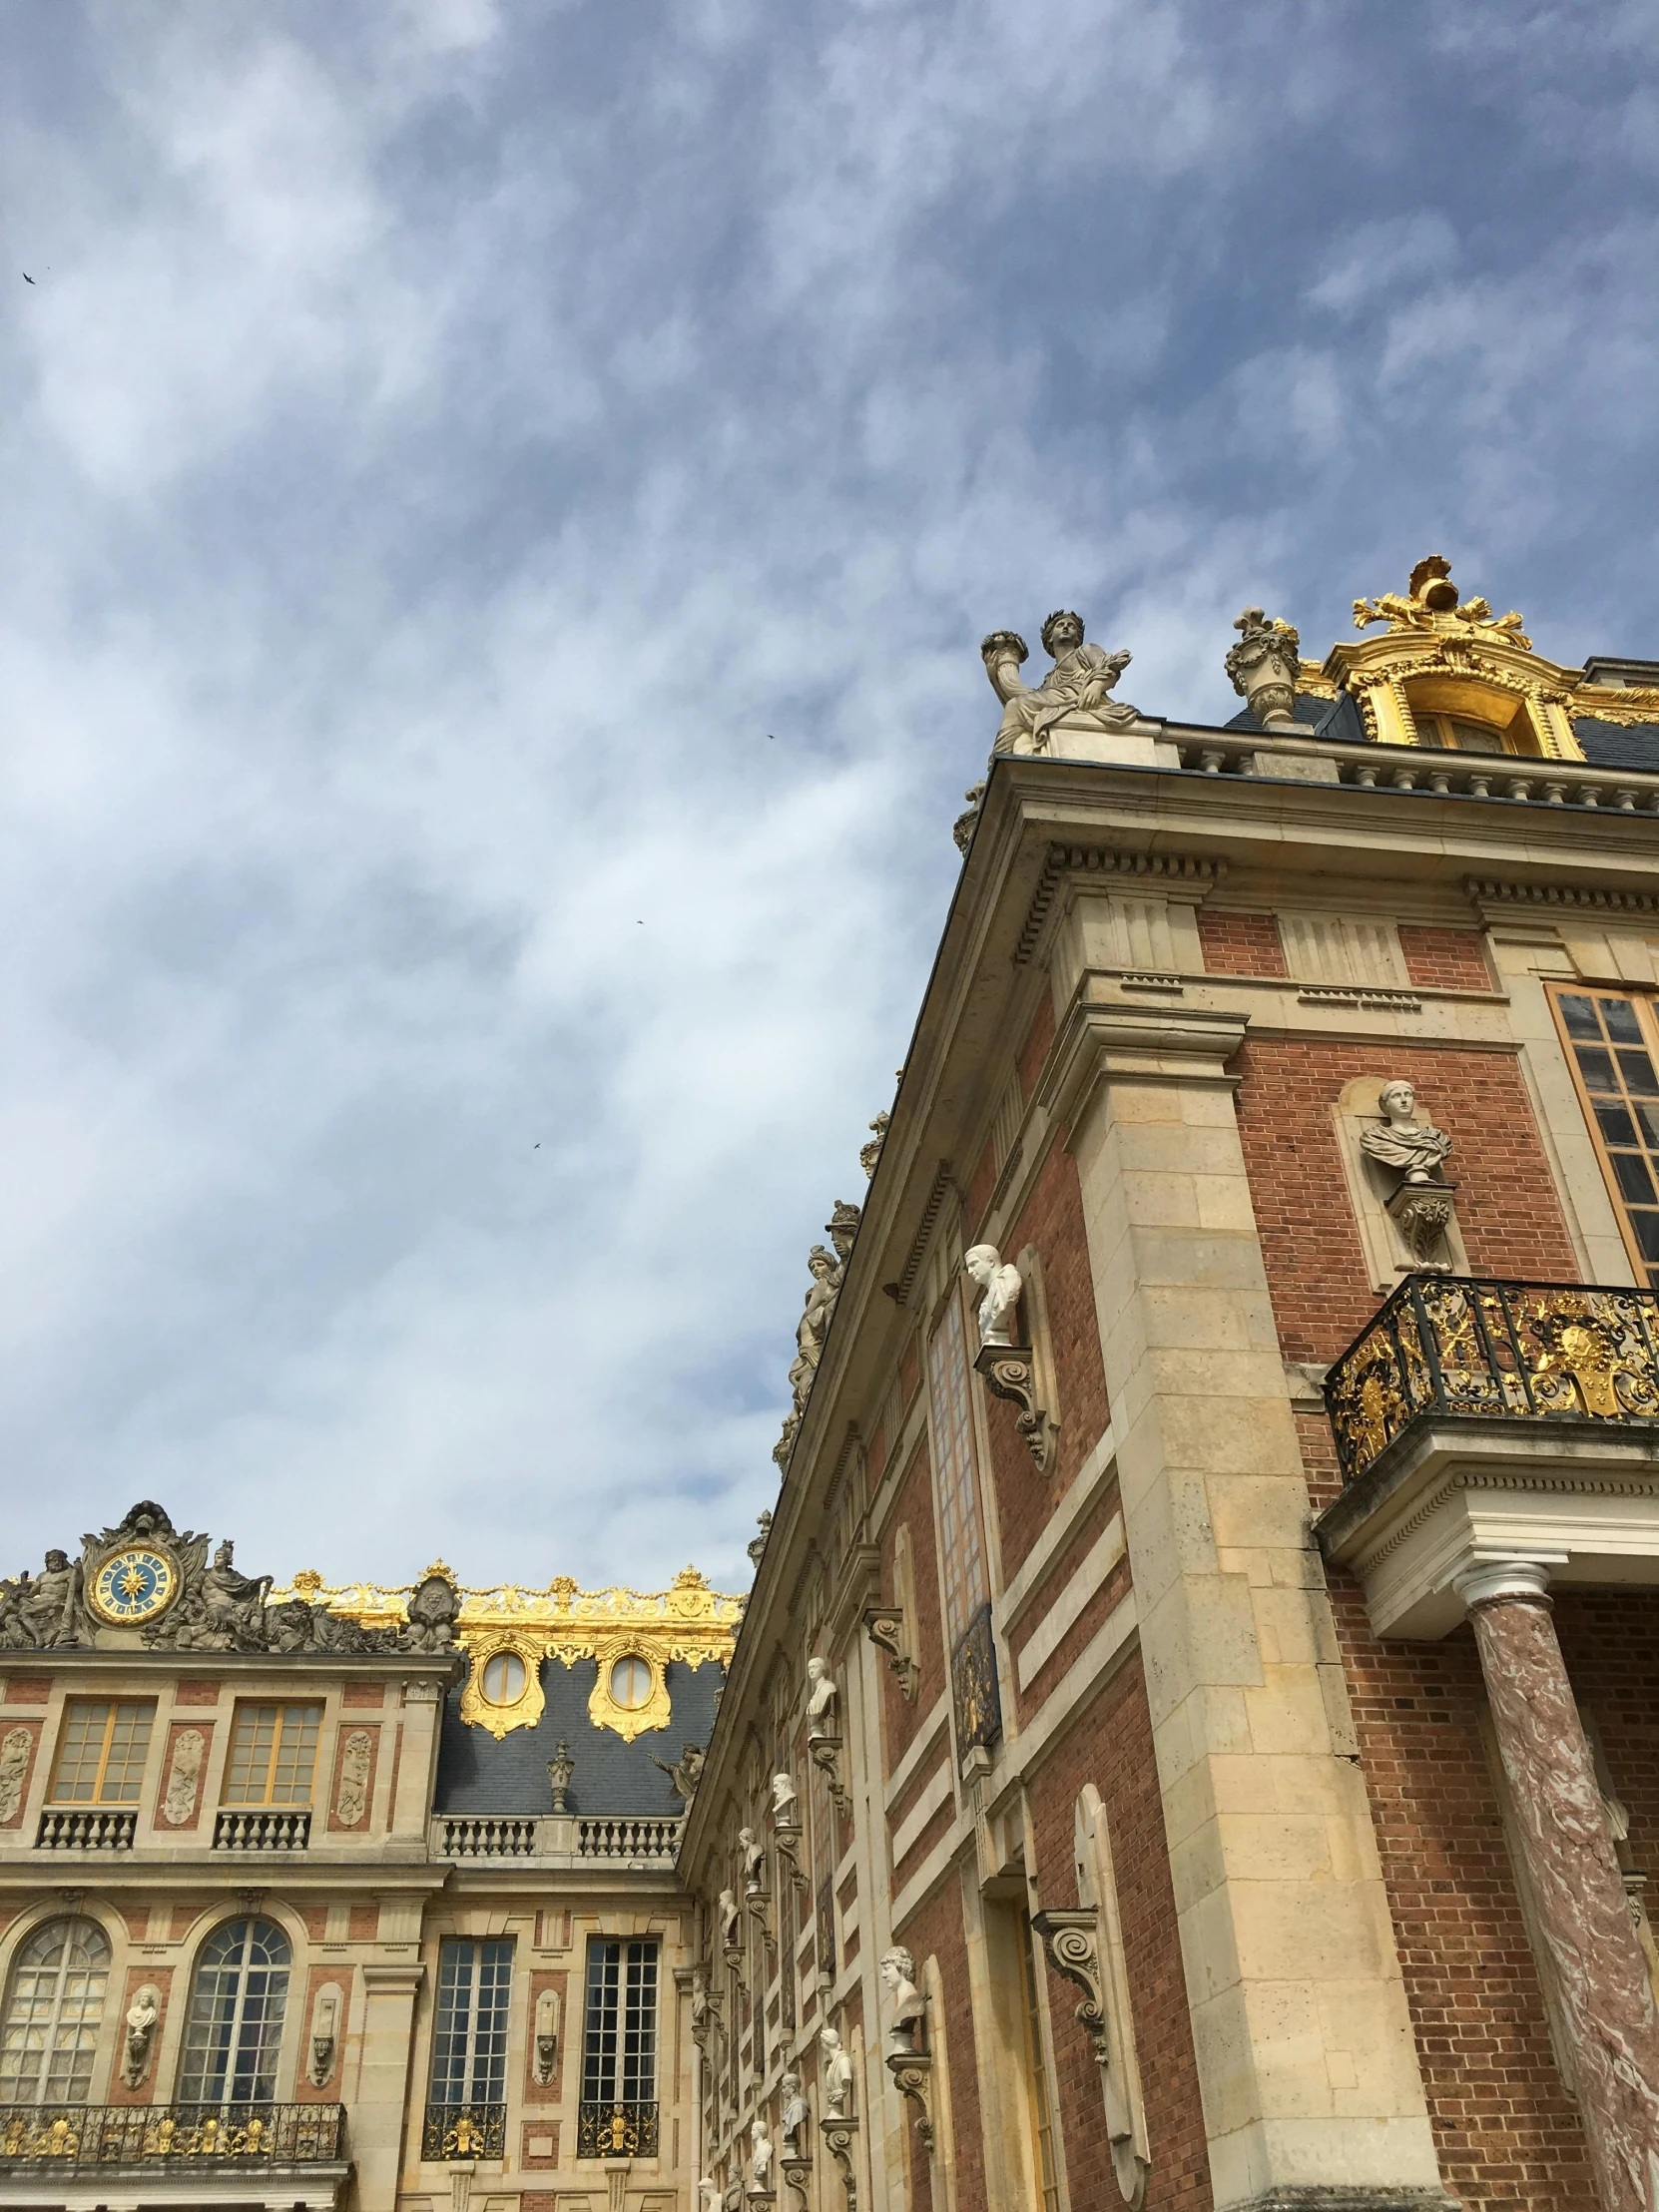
{"points": [[1193, 872], [1189, 1045], [944, 1182]]}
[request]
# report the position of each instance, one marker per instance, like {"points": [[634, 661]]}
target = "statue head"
{"points": [[791, 2085], [982, 1262], [898, 1965], [56, 1561], [746, 1836], [1062, 632], [224, 1555], [821, 1260], [830, 2041], [815, 1669], [1397, 1097]]}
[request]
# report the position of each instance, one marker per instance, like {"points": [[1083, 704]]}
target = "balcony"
{"points": [[263, 1828], [608, 2129], [84, 1828], [1478, 1418], [224, 2137], [634, 1840], [464, 2132]]}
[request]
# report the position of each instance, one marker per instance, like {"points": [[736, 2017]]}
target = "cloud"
{"points": [[505, 501]]}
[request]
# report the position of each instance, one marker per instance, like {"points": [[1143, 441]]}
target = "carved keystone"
{"points": [[884, 1626], [1009, 1374]]}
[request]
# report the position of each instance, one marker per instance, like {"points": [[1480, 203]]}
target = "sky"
{"points": [[502, 499]]}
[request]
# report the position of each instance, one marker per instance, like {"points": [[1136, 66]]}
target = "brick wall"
{"points": [[935, 1931], [1444, 960], [1511, 1224], [1053, 1221], [1103, 1600], [1240, 944], [1111, 1746], [1032, 1053]]}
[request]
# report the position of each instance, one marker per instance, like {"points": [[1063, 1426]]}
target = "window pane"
{"points": [[80, 1753], [1646, 1227], [1647, 1123], [469, 2043], [273, 1755], [1579, 1015], [1637, 1070], [1635, 1182], [129, 1745], [1618, 1017], [1616, 1124], [252, 1739], [291, 1778], [49, 2037], [619, 2045], [233, 2030], [1596, 1067], [965, 1586]]}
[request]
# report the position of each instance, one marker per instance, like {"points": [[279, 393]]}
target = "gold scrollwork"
{"points": [[628, 1714]]}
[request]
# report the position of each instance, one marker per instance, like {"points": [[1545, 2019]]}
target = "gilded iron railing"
{"points": [[464, 2132], [193, 2134], [607, 2130], [1446, 1344]]}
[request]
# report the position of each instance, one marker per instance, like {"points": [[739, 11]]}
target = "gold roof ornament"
{"points": [[1433, 600], [689, 1622]]}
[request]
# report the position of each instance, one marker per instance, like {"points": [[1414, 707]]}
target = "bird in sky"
{"points": [[27, 278]]}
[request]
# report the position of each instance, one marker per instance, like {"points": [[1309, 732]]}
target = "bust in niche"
{"points": [[1414, 1149]]}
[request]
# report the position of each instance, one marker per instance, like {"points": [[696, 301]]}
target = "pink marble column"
{"points": [[1601, 1976]]}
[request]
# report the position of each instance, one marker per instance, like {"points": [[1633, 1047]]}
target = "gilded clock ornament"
{"points": [[133, 1585]]}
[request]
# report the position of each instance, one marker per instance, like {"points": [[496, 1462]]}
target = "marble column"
{"points": [[1606, 1999]]}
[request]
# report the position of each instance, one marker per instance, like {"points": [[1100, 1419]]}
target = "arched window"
{"points": [[52, 2010], [235, 2030]]}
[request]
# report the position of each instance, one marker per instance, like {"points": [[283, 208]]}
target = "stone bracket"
{"points": [[1010, 1373], [840, 2138], [786, 1836], [756, 1901], [884, 1626], [826, 1753], [798, 2175], [1424, 1214], [1071, 1937], [912, 2072]]}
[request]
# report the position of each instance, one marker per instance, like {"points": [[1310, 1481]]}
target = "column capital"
{"points": [[1520, 1577]]}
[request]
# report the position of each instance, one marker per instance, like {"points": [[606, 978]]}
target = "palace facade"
{"points": [[1193, 1739]]}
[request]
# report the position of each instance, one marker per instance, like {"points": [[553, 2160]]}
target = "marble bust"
{"points": [[821, 1699], [836, 2075], [760, 2143], [898, 1978], [797, 2118], [999, 1285], [730, 1919], [753, 1860], [784, 1808], [1075, 690], [1417, 1150]]}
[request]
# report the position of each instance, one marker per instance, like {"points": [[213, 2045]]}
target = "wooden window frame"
{"points": [[113, 1707], [283, 1707], [1644, 1270]]}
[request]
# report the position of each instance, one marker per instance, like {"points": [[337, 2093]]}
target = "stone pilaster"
{"points": [[1601, 1977], [376, 2118], [1307, 2063]]}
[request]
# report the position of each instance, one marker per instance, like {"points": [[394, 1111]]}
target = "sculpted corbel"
{"points": [[884, 1626]]}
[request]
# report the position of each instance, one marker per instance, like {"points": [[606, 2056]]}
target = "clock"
{"points": [[136, 1583]]}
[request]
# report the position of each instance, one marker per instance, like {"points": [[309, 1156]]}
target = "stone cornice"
{"points": [[1192, 872]]}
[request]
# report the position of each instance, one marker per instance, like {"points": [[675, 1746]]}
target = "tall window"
{"points": [[273, 1755], [469, 2051], [234, 2032], [619, 2049], [1613, 1056], [102, 1751], [1036, 2072], [53, 2009], [963, 1539]]}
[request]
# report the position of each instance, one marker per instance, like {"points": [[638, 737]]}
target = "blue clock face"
{"points": [[135, 1584]]}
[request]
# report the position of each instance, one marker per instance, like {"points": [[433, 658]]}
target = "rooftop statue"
{"points": [[1075, 690], [813, 1324], [1431, 593], [1264, 666]]}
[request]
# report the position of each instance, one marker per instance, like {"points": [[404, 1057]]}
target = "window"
{"points": [[618, 2114], [273, 1755], [1457, 734], [1608, 1044], [469, 2049], [630, 1684], [101, 1752], [1036, 2071], [52, 2010], [234, 2031], [962, 1542], [503, 1681]]}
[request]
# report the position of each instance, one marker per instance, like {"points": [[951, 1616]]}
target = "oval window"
{"points": [[503, 1678], [630, 1684]]}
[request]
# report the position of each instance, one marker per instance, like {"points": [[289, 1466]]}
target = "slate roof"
{"points": [[478, 1774], [1611, 745], [1327, 718]]}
